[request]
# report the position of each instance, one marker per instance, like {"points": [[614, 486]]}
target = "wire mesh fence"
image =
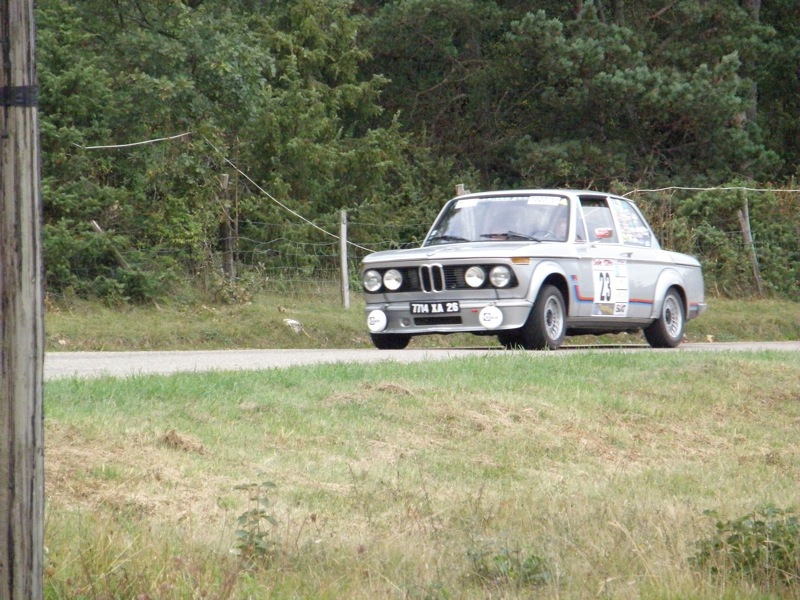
{"points": [[300, 265], [301, 258], [294, 255]]}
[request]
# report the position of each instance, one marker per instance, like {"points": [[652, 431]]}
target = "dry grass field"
{"points": [[517, 475]]}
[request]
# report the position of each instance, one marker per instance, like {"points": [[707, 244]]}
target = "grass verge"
{"points": [[79, 325], [519, 475]]}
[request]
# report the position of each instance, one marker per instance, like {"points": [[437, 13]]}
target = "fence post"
{"points": [[228, 263], [343, 256], [744, 223]]}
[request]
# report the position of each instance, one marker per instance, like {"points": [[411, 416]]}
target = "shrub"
{"points": [[507, 567], [254, 542], [762, 546]]}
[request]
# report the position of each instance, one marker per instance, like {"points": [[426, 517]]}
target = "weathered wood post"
{"points": [[228, 262], [21, 310], [744, 223], [345, 280]]}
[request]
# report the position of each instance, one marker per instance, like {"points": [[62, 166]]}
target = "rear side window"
{"points": [[599, 222], [632, 229]]}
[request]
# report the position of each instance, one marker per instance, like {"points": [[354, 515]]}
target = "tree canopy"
{"points": [[380, 107]]}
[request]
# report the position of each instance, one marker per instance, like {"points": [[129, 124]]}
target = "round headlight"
{"points": [[500, 276], [392, 279], [475, 277], [371, 280]]}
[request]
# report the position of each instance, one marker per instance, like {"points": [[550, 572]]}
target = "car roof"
{"points": [[523, 192]]}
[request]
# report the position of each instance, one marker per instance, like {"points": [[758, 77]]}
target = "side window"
{"points": [[599, 222], [580, 229], [632, 229]]}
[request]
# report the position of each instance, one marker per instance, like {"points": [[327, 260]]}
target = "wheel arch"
{"points": [[669, 279], [559, 281], [552, 273]]}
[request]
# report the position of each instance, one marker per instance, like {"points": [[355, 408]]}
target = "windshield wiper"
{"points": [[447, 238], [511, 235]]}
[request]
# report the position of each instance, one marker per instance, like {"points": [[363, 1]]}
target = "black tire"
{"points": [[390, 341], [510, 339], [546, 326], [667, 330]]}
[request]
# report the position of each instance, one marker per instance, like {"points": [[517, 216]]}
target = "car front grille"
{"points": [[432, 278], [435, 278]]}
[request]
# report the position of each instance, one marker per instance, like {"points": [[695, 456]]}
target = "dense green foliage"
{"points": [[763, 546], [380, 107]]}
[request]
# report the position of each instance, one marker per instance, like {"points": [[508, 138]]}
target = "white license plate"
{"points": [[434, 308]]}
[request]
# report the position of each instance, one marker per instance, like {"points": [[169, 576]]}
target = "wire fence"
{"points": [[314, 266], [301, 257], [304, 260]]}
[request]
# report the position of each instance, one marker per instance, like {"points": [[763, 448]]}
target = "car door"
{"points": [[639, 249], [603, 279]]}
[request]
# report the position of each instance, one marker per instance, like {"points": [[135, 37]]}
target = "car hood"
{"points": [[471, 250]]}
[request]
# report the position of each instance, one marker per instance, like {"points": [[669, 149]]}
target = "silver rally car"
{"points": [[531, 267]]}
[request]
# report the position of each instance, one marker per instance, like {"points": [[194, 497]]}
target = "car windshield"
{"points": [[537, 218]]}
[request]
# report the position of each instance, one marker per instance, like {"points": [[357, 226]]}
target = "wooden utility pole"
{"points": [[21, 320]]}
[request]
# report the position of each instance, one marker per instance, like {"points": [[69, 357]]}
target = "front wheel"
{"points": [[390, 341], [546, 326], [667, 330], [510, 339]]}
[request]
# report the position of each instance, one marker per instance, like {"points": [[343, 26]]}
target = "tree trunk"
{"points": [[21, 321], [753, 8]]}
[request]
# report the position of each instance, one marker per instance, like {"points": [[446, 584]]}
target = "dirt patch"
{"points": [[177, 441], [139, 475], [368, 392], [393, 388], [346, 399]]}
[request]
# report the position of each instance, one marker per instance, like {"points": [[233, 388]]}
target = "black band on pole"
{"points": [[24, 95]]}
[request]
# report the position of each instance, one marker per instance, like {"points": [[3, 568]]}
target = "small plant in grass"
{"points": [[762, 546], [508, 567], [255, 543]]}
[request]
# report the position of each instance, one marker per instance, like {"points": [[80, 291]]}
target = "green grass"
{"points": [[514, 475], [78, 325]]}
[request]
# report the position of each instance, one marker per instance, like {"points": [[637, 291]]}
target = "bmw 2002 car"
{"points": [[531, 267]]}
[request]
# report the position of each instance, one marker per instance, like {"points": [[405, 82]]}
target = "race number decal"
{"points": [[610, 288]]}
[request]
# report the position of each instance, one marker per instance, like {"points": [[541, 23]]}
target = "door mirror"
{"points": [[603, 233]]}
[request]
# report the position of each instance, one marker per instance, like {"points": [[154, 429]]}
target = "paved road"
{"points": [[122, 364]]}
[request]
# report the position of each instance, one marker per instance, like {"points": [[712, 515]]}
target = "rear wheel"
{"points": [[546, 326], [667, 330], [390, 341]]}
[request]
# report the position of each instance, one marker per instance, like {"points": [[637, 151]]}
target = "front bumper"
{"points": [[473, 316]]}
